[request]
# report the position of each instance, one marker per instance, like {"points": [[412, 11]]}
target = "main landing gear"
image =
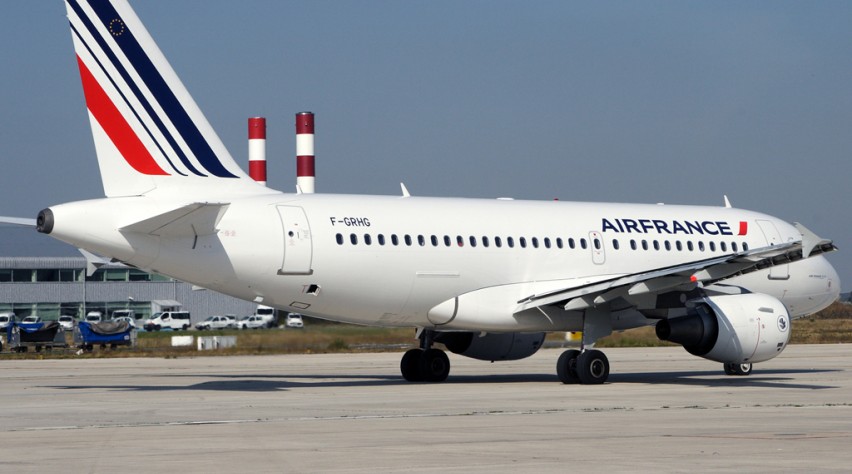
{"points": [[588, 367], [425, 364]]}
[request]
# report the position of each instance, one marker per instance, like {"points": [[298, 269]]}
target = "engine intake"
{"points": [[731, 329]]}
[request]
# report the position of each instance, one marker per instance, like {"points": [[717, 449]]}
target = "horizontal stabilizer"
{"points": [[196, 219], [18, 221], [93, 262]]}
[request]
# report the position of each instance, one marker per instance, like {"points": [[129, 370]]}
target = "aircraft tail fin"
{"points": [[148, 131]]}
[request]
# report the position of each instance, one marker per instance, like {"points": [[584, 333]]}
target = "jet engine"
{"points": [[492, 346], [733, 329]]}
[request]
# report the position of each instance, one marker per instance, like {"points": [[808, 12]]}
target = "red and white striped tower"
{"points": [[257, 149], [305, 171]]}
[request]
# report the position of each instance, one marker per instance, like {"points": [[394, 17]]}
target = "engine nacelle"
{"points": [[492, 346], [733, 329]]}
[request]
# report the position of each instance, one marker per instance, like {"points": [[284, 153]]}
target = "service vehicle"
{"points": [[174, 320]]}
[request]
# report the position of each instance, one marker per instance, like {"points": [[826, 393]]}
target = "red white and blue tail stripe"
{"points": [[149, 133]]}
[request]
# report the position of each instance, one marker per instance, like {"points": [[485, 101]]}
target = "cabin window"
{"points": [[571, 243], [679, 246], [394, 239], [460, 241], [668, 245], [701, 245], [535, 242], [367, 239], [408, 240], [632, 244], [583, 244], [723, 246], [523, 242], [656, 245], [381, 238], [421, 240], [644, 244], [597, 243], [712, 246], [353, 238], [339, 238], [484, 241], [547, 242], [472, 240], [559, 242], [498, 242], [447, 241], [690, 246], [510, 242], [615, 244], [745, 246]]}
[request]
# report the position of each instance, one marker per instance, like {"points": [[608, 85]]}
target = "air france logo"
{"points": [[782, 323], [671, 227]]}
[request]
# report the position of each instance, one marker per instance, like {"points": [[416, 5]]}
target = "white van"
{"points": [[6, 319], [94, 317], [267, 314], [175, 320]]}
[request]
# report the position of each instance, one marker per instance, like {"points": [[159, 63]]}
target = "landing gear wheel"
{"points": [[566, 366], [410, 365], [738, 369], [592, 367], [434, 365]]}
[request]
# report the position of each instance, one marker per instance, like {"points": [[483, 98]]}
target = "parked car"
{"points": [[253, 322], [31, 319], [6, 319], [214, 322], [175, 320], [124, 313], [94, 317], [127, 319], [294, 320], [67, 322], [232, 321]]}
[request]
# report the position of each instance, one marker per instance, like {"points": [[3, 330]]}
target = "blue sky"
{"points": [[675, 102]]}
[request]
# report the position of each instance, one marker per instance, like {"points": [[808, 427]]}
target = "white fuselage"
{"points": [[393, 261]]}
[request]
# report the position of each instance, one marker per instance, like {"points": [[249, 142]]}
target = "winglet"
{"points": [[405, 192], [727, 202], [810, 241]]}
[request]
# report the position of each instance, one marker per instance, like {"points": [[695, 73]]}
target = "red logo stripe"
{"points": [[743, 228], [115, 126]]}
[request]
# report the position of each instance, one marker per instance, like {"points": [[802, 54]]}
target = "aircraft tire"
{"points": [[738, 369], [434, 365], [592, 367], [566, 367], [410, 365]]}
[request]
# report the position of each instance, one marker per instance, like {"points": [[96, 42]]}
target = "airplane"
{"points": [[485, 278]]}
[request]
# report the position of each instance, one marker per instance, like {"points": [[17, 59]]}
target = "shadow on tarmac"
{"points": [[776, 378]]}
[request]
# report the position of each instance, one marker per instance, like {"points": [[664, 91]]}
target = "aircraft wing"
{"points": [[705, 272]]}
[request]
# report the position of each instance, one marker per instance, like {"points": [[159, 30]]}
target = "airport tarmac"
{"points": [[662, 410]]}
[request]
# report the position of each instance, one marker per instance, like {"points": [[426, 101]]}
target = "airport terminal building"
{"points": [[40, 275]]}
